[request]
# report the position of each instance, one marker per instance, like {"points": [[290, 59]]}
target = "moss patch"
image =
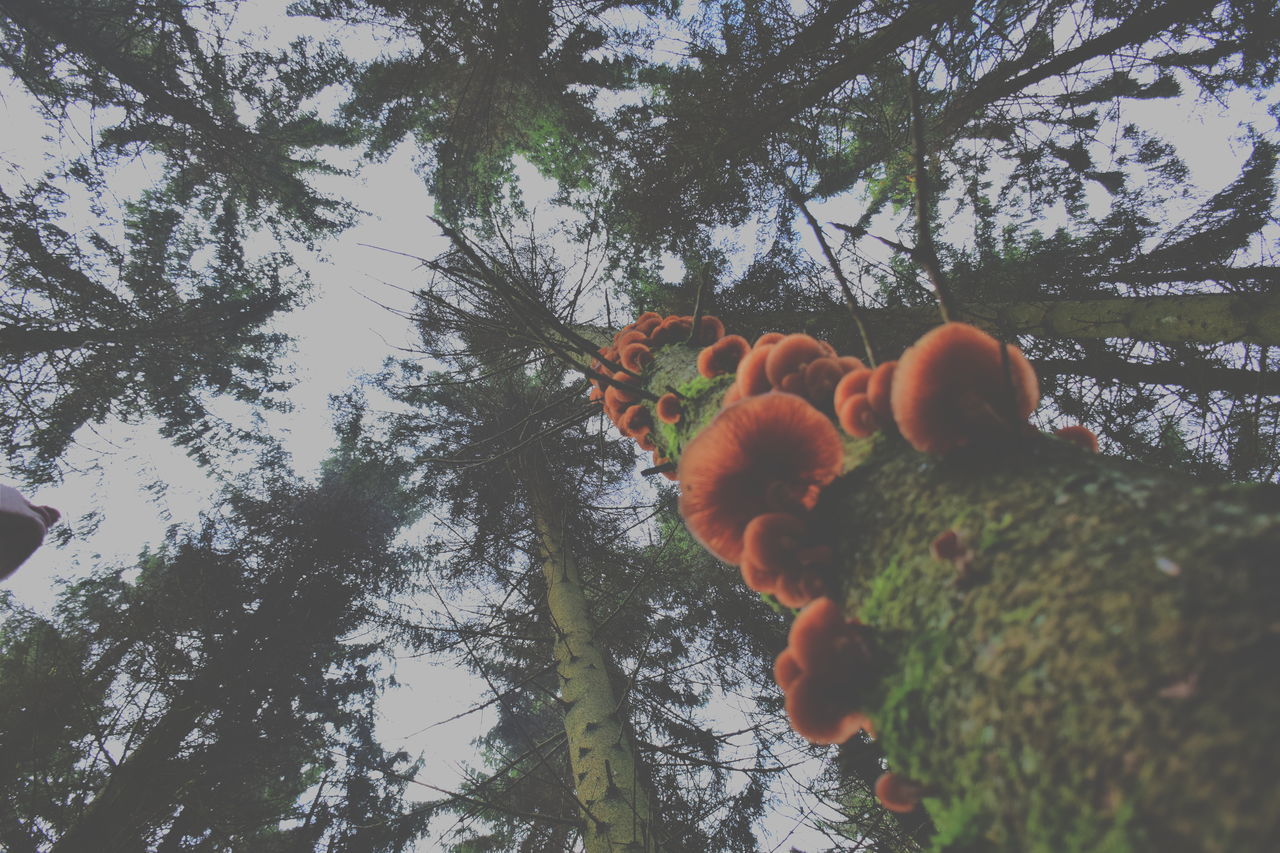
{"points": [[1110, 683]]}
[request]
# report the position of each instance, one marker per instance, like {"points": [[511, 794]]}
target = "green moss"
{"points": [[1035, 704], [700, 402]]}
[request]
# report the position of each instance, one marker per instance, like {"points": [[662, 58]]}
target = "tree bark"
{"points": [[1203, 318], [1201, 378], [1103, 678], [617, 808]]}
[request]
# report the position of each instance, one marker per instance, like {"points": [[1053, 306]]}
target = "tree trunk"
{"points": [[142, 787], [608, 778], [1203, 318], [1102, 678], [1201, 378]]}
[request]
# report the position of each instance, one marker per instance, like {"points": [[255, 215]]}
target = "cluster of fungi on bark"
{"points": [[750, 478]]}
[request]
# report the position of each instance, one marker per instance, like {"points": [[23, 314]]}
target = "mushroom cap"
{"points": [[723, 355], [636, 356], [710, 329], [947, 546], [857, 417], [785, 669], [668, 408], [854, 382], [879, 387], [1078, 435], [769, 545], [672, 330], [791, 354], [752, 377], [897, 793], [635, 423], [851, 363], [822, 639], [804, 586], [628, 336], [616, 403], [769, 453], [647, 322], [819, 707], [733, 395], [768, 338], [951, 389], [820, 379], [779, 558]]}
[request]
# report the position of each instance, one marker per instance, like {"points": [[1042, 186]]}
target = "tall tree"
{"points": [[90, 332], [216, 696], [93, 326]]}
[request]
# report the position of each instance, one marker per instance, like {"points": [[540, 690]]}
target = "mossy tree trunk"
{"points": [[609, 782], [1103, 676]]}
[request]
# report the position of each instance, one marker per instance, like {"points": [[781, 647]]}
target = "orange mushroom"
{"points": [[635, 423], [628, 336], [818, 710], [672, 330], [897, 793], [833, 656], [723, 355], [857, 417], [854, 382], [636, 356], [668, 408], [710, 329], [820, 379], [1078, 435], [768, 338], [752, 378], [786, 670], [769, 453], [958, 386], [879, 388], [647, 322], [779, 557], [791, 355]]}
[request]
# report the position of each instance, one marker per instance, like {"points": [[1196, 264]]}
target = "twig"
{"points": [[697, 303], [855, 312], [925, 255]]}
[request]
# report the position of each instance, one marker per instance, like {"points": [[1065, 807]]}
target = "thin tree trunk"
{"points": [[1204, 318], [608, 778], [1201, 378]]}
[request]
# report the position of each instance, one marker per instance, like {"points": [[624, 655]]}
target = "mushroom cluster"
{"points": [[750, 479], [632, 351], [824, 671], [747, 483], [793, 364]]}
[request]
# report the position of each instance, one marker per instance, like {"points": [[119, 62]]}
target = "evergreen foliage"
{"points": [[214, 695]]}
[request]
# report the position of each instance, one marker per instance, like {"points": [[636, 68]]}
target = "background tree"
{"points": [[174, 312], [215, 694]]}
